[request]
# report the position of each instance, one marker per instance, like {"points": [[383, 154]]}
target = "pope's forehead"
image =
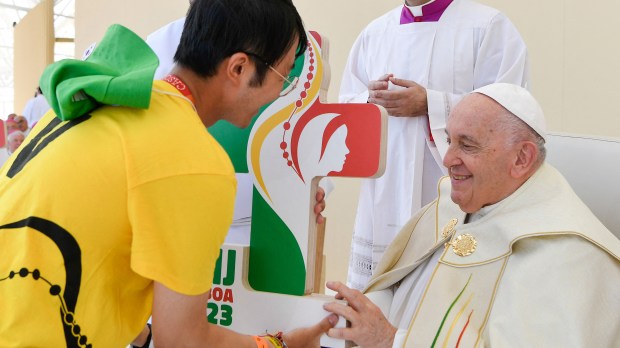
{"points": [[475, 117], [476, 106]]}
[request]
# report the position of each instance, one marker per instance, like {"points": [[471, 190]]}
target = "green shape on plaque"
{"points": [[234, 141], [276, 262]]}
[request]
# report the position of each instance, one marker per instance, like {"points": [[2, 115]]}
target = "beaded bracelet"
{"points": [[276, 343], [276, 340]]}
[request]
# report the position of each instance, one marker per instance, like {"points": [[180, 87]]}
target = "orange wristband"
{"points": [[260, 342]]}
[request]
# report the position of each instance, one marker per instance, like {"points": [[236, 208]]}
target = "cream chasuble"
{"points": [[541, 271]]}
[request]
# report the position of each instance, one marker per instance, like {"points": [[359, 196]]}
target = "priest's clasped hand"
{"points": [[408, 99]]}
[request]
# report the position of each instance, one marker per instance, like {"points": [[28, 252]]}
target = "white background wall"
{"points": [[574, 57]]}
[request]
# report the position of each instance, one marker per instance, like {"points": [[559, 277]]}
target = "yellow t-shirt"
{"points": [[93, 210]]}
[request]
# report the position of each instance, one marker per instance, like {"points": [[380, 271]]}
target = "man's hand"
{"points": [[369, 327], [409, 101], [320, 205], [381, 84], [179, 321], [310, 337], [144, 338]]}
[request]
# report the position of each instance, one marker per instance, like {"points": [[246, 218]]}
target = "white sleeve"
{"points": [[501, 57], [382, 299], [164, 43], [399, 338], [354, 84], [27, 113]]}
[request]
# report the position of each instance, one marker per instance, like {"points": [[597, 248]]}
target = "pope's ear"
{"points": [[525, 159]]}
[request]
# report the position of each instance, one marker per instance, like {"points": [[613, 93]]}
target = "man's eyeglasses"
{"points": [[291, 80]]}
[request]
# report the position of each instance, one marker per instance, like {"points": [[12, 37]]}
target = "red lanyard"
{"points": [[175, 81]]}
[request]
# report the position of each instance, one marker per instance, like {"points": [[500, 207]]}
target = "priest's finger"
{"points": [[385, 77], [404, 83], [381, 84]]}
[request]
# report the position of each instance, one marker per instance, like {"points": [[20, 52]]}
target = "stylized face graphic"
{"points": [[336, 150]]}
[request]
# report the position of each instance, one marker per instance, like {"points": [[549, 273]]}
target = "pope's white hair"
{"points": [[518, 131]]}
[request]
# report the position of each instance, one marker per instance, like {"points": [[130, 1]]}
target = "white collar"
{"points": [[417, 10], [482, 212]]}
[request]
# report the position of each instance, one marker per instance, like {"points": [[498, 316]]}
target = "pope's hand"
{"points": [[368, 326]]}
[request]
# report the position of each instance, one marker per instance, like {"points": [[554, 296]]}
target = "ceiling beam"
{"points": [[26, 9], [15, 7]]}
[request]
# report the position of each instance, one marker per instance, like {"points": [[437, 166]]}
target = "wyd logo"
{"points": [[220, 306]]}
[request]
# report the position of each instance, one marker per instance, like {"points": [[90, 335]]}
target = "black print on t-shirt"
{"points": [[67, 295], [40, 141]]}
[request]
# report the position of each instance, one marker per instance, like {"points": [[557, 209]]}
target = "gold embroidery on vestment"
{"points": [[464, 244], [449, 228]]}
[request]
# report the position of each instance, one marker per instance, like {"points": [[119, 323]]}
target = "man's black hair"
{"points": [[216, 29]]}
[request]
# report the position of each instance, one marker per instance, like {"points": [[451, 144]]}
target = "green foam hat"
{"points": [[117, 71]]}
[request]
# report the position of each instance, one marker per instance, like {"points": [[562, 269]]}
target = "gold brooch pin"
{"points": [[464, 244], [449, 227]]}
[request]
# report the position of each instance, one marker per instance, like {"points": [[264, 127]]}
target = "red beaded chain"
{"points": [[287, 125]]}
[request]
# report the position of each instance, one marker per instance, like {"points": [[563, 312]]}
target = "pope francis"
{"points": [[507, 256]]}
